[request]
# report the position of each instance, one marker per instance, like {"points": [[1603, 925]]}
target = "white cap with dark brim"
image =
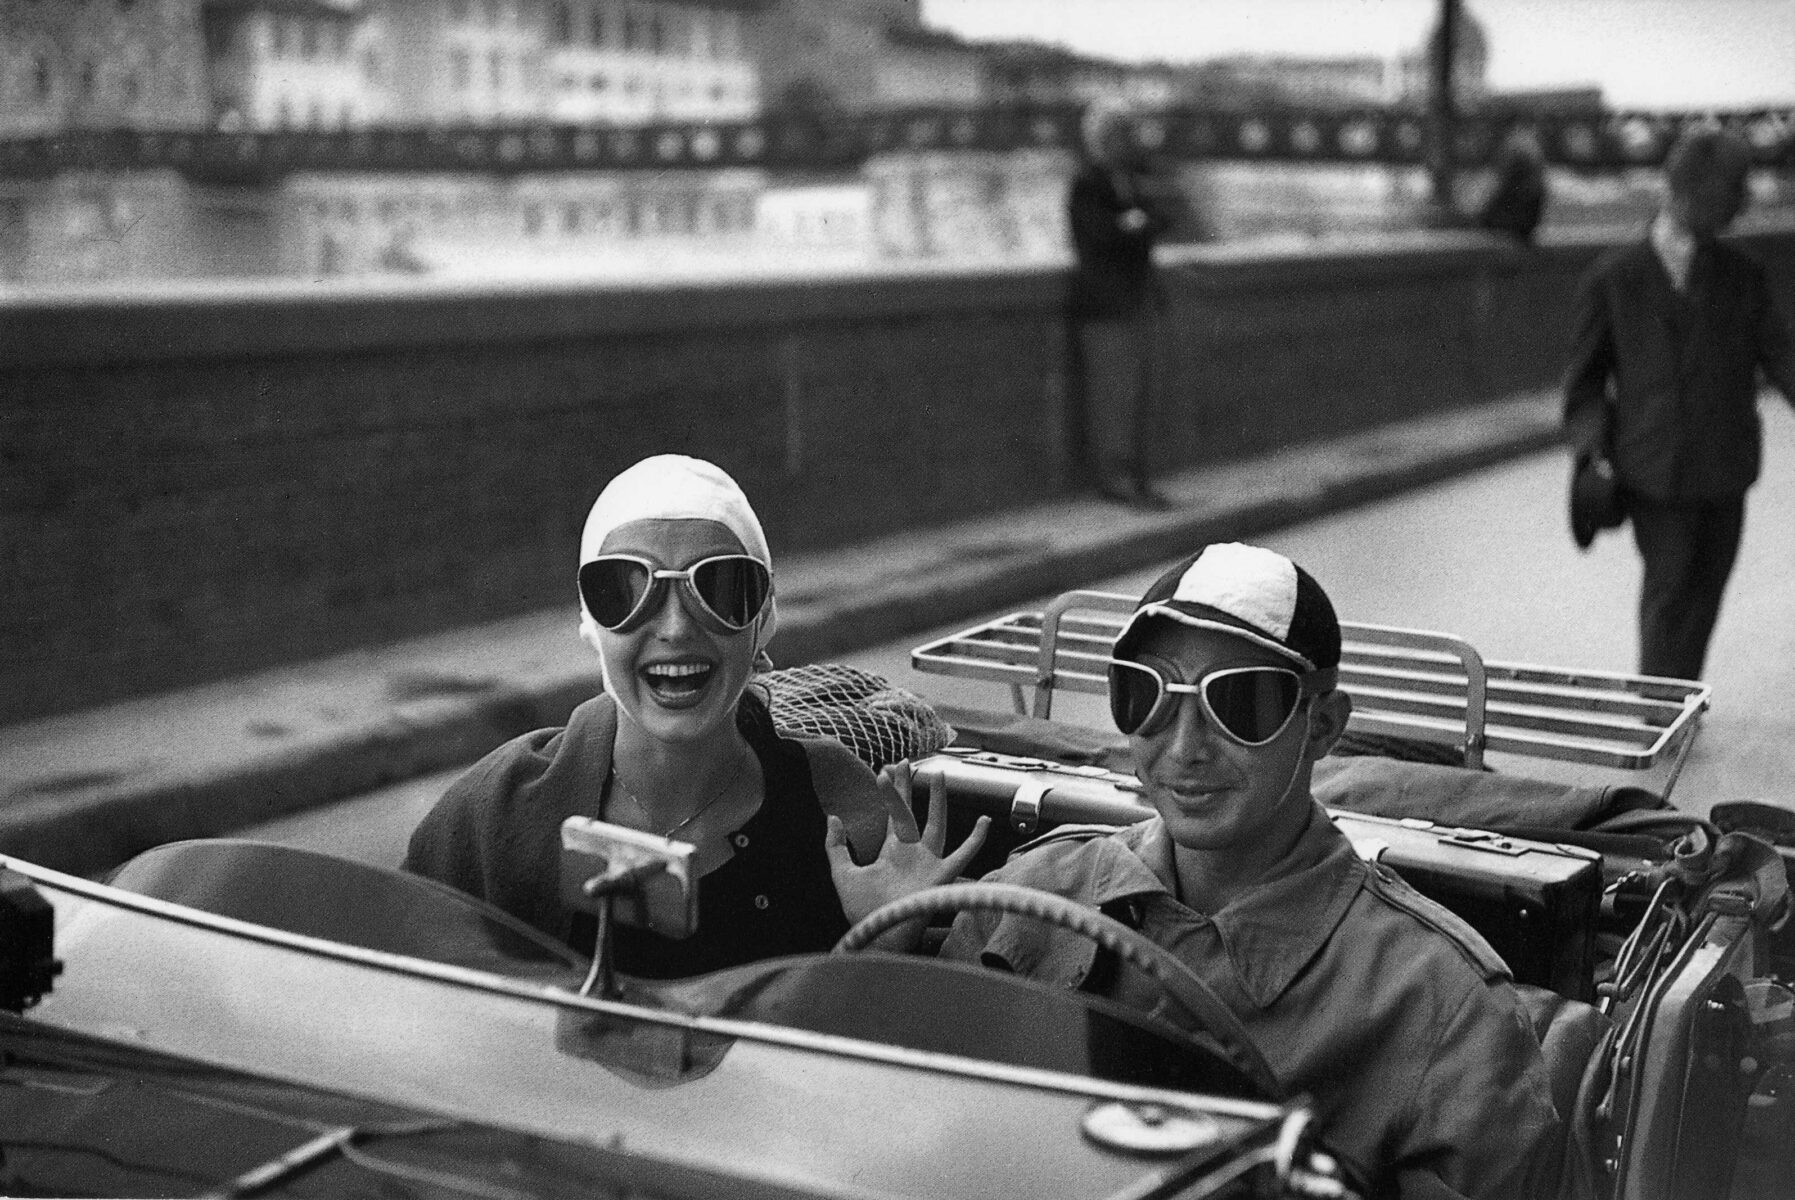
{"points": [[1250, 593]]}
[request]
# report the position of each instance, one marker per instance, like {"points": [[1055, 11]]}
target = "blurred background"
{"points": [[323, 321], [499, 139]]}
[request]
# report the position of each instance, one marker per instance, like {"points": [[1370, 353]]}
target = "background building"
{"points": [[100, 64], [296, 64], [855, 56], [626, 61]]}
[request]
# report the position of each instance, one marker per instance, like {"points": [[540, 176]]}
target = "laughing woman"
{"points": [[676, 596]]}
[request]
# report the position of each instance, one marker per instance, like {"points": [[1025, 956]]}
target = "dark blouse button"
{"points": [[740, 840], [761, 902]]}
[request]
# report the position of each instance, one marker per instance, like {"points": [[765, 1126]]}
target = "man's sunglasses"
{"points": [[621, 591], [1249, 705]]}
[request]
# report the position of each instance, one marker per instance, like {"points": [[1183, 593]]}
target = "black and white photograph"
{"points": [[897, 599]]}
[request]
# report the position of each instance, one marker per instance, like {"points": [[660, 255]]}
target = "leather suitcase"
{"points": [[1536, 903]]}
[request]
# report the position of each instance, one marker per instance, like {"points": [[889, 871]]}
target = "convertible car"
{"points": [[230, 1017]]}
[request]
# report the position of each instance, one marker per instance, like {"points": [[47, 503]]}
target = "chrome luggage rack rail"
{"points": [[1404, 683]]}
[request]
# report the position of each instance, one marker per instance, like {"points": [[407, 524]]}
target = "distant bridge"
{"points": [[1597, 142]]}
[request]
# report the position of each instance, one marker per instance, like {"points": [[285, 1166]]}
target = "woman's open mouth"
{"points": [[677, 684]]}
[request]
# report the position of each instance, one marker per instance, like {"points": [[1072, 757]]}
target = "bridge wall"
{"points": [[197, 484]]}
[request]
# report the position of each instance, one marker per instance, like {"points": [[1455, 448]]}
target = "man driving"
{"points": [[1392, 1015]]}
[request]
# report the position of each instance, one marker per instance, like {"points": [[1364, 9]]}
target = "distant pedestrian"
{"points": [[1663, 383], [1517, 201], [1113, 304]]}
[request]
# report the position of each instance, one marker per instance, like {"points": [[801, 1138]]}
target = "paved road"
{"points": [[1486, 556]]}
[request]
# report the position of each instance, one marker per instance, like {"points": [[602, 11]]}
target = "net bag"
{"points": [[880, 723]]}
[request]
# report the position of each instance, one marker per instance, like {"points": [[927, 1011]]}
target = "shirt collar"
{"points": [[1271, 931], [1675, 247]]}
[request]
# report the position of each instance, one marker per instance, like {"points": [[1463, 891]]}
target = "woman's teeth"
{"points": [[677, 677]]}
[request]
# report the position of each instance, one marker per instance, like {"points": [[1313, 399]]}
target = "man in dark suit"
{"points": [[1113, 303], [1663, 383]]}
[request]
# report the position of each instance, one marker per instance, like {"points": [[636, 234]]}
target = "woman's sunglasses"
{"points": [[621, 591], [1249, 705]]}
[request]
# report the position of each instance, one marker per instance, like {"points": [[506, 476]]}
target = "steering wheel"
{"points": [[1186, 988]]}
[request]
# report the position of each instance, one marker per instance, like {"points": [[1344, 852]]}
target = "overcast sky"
{"points": [[1644, 53]]}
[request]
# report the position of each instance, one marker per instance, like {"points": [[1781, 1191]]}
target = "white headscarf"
{"points": [[674, 487]]}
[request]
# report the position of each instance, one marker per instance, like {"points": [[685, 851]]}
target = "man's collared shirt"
{"points": [[1392, 1014], [1675, 247]]}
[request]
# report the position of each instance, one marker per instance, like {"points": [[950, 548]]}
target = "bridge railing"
{"points": [[1605, 141]]}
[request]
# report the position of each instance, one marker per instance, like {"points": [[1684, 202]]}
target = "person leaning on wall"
{"points": [[1114, 299], [1662, 389]]}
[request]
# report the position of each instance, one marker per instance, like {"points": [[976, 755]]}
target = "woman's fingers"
{"points": [[954, 865], [896, 783], [835, 843], [934, 833]]}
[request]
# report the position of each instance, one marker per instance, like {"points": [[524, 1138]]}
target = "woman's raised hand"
{"points": [[909, 860]]}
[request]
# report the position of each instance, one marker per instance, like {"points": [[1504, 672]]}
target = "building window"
{"points": [[346, 116], [595, 25], [308, 38], [89, 80], [277, 37], [370, 65], [283, 113], [570, 218], [600, 83], [461, 70], [560, 23], [495, 67], [132, 87], [43, 83], [532, 219]]}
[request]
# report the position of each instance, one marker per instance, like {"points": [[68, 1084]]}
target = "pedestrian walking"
{"points": [[1673, 332], [1517, 199], [1113, 305]]}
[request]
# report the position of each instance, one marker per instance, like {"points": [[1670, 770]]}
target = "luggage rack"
{"points": [[1404, 683]]}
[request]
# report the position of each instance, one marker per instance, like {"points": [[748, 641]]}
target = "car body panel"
{"points": [[811, 1113]]}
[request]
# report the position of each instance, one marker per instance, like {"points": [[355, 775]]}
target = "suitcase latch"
{"points": [[1490, 843], [1025, 805]]}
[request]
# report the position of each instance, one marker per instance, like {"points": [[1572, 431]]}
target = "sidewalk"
{"points": [[85, 791]]}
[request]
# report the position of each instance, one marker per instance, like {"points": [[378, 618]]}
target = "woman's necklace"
{"points": [[728, 782]]}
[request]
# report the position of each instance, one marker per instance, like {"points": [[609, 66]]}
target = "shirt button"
{"points": [[761, 902], [740, 840]]}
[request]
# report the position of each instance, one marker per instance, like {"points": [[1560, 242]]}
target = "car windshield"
{"points": [[775, 1102]]}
